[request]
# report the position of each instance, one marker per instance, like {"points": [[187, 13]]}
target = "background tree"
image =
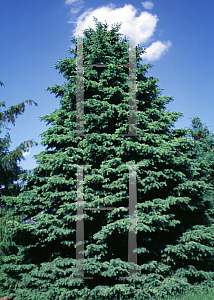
{"points": [[10, 171], [203, 152], [174, 231]]}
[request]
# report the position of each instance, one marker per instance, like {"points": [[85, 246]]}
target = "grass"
{"points": [[203, 295], [209, 295]]}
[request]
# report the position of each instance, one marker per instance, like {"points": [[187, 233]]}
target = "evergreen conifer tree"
{"points": [[202, 152], [10, 171], [174, 232]]}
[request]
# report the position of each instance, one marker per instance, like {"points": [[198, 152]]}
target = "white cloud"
{"points": [[76, 5], [70, 1], [156, 50], [141, 31], [75, 11], [144, 29], [26, 153], [147, 4]]}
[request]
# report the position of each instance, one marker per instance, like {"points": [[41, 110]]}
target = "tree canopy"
{"points": [[174, 237], [10, 171]]}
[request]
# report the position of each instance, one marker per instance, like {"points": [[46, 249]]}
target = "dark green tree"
{"points": [[10, 171], [203, 152], [175, 236]]}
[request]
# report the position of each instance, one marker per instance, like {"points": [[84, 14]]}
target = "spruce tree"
{"points": [[10, 171], [174, 232], [203, 152]]}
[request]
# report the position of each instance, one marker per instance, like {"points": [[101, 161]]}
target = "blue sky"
{"points": [[178, 36]]}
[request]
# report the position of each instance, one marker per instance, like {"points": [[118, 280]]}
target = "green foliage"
{"points": [[9, 169], [10, 172], [203, 154], [175, 239]]}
